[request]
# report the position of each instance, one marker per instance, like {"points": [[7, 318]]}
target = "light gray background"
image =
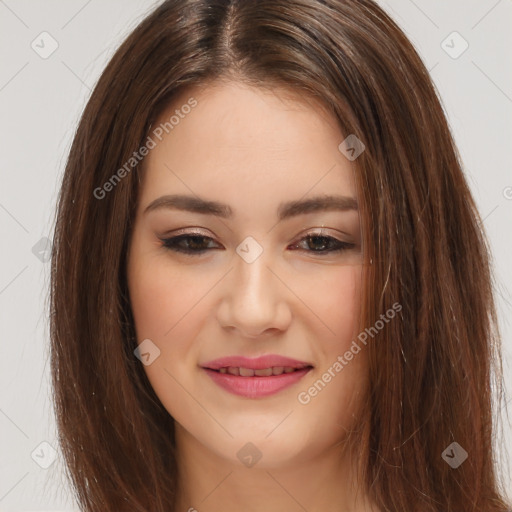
{"points": [[40, 103]]}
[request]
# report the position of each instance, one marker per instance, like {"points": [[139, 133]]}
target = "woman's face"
{"points": [[263, 275]]}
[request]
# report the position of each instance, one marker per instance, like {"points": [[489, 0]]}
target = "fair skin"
{"points": [[252, 150]]}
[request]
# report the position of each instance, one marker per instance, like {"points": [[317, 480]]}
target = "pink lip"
{"points": [[255, 387]]}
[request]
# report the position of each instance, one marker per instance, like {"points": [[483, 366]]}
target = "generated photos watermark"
{"points": [[304, 397], [151, 143]]}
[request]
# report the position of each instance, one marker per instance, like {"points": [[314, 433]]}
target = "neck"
{"points": [[209, 482]]}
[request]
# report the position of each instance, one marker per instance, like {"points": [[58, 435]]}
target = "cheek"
{"points": [[170, 305], [167, 309], [332, 396], [333, 296], [163, 299], [343, 302]]}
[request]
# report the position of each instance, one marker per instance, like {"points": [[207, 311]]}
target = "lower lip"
{"points": [[255, 387]]}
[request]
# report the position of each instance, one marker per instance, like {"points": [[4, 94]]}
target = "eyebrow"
{"points": [[284, 211]]}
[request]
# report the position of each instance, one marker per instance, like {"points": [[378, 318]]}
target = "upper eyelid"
{"points": [[302, 236], [319, 231], [197, 233]]}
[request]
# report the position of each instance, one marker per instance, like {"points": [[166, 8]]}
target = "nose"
{"points": [[255, 302]]}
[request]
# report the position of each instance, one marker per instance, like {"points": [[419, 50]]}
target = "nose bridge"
{"points": [[253, 299], [252, 281]]}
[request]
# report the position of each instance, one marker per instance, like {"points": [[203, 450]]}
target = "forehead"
{"points": [[243, 144]]}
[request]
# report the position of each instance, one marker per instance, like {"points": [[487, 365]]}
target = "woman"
{"points": [[270, 289]]}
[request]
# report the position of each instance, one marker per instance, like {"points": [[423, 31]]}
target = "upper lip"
{"points": [[257, 363]]}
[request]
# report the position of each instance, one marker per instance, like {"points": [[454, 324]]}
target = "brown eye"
{"points": [[188, 243], [322, 244]]}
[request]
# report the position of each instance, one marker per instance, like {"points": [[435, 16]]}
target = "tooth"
{"points": [[266, 372]]}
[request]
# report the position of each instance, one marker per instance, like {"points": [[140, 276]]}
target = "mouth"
{"points": [[263, 372], [256, 378]]}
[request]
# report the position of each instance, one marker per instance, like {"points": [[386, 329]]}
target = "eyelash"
{"points": [[172, 244]]}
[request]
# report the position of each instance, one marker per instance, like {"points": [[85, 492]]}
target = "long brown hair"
{"points": [[430, 373]]}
